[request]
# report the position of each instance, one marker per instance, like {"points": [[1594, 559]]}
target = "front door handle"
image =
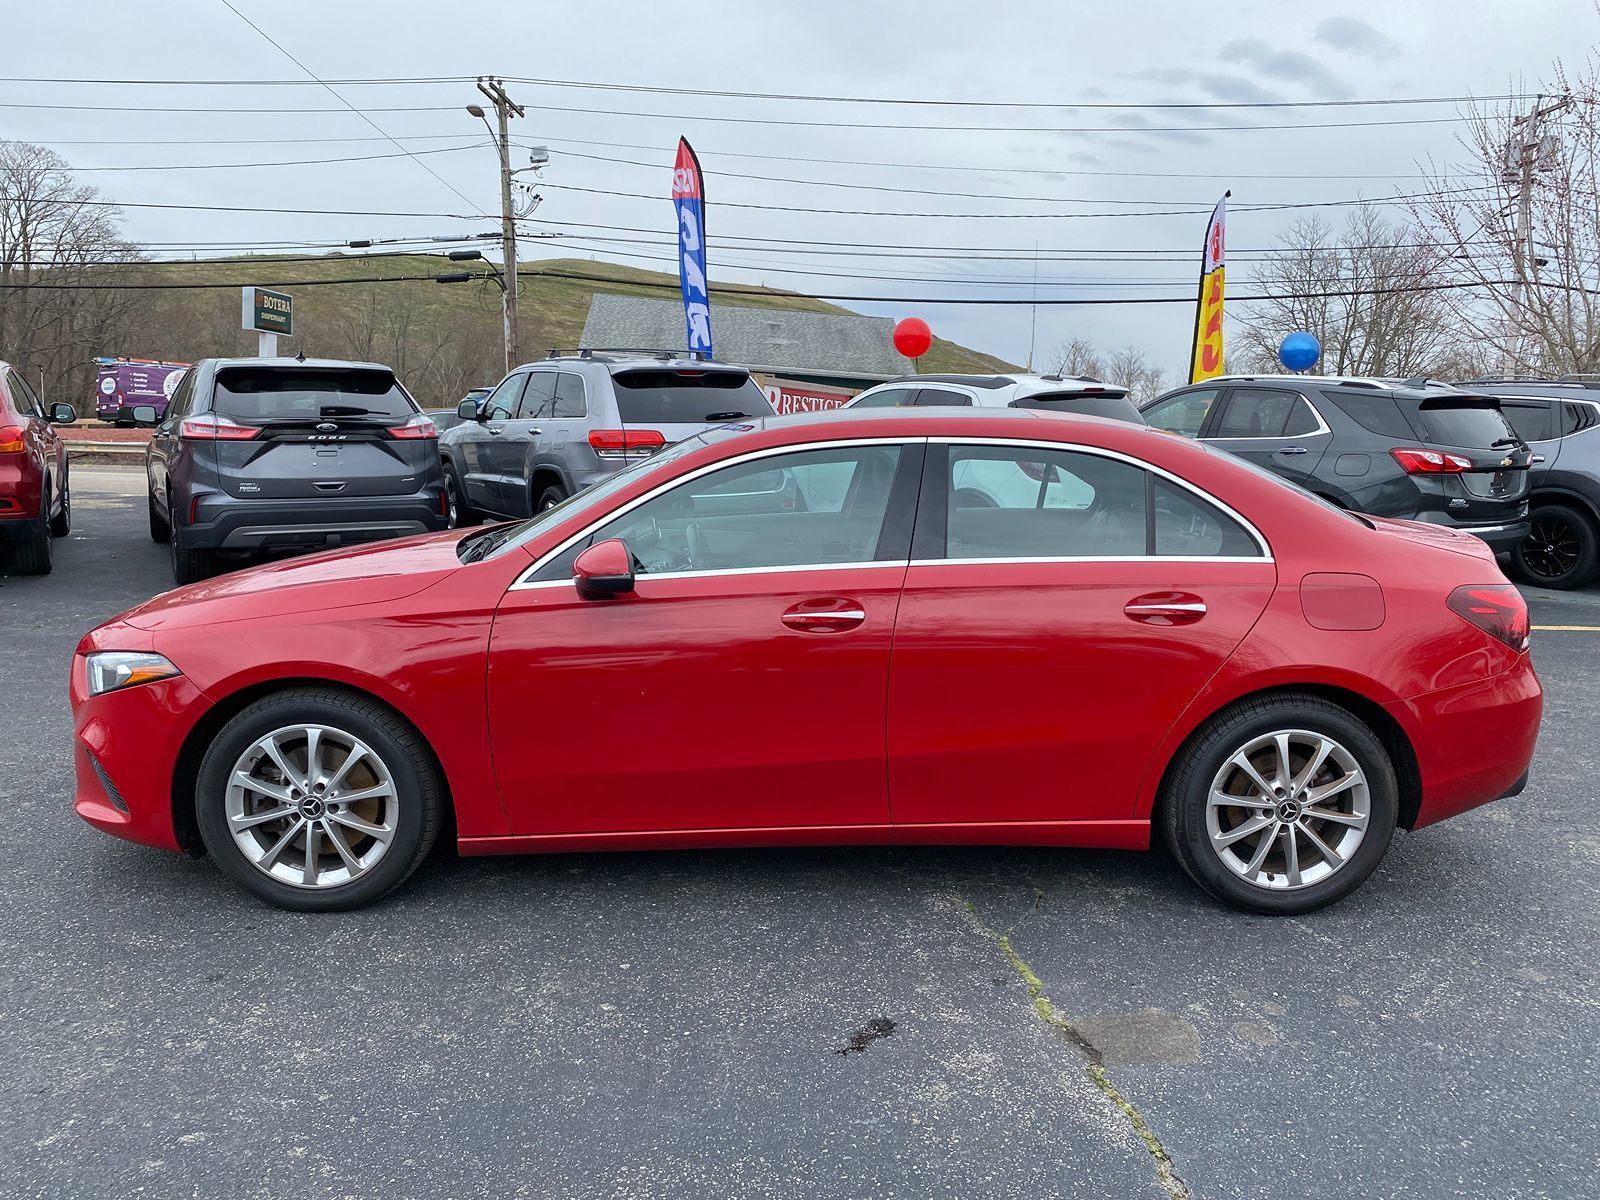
{"points": [[1165, 608], [1293, 450], [829, 614]]}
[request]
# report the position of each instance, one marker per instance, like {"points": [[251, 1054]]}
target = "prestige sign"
{"points": [[266, 312]]}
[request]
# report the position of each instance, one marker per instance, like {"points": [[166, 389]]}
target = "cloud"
{"points": [[1288, 65], [1355, 36], [1139, 123], [1236, 89], [1165, 75]]}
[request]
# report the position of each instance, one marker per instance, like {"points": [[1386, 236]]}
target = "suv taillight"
{"points": [[419, 426], [1496, 608], [11, 439], [1416, 461], [626, 443], [211, 426]]}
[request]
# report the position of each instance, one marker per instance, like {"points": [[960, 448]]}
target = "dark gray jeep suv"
{"points": [[554, 427], [1560, 419], [1417, 450], [258, 454]]}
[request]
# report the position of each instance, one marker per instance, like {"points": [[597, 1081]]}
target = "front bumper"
{"points": [[1473, 742], [225, 522]]}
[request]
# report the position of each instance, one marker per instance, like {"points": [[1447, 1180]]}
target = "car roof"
{"points": [[292, 363], [612, 361], [1417, 388]]}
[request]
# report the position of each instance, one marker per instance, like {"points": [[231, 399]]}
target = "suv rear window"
{"points": [[250, 394], [1098, 404], [687, 397], [1465, 421]]}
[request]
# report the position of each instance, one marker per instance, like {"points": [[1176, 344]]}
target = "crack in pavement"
{"points": [[1166, 1173]]}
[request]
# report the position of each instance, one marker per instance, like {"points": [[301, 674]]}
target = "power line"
{"points": [[228, 4], [304, 212], [298, 162]]}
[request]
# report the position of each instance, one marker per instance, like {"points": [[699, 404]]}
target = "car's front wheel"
{"points": [[318, 800], [1562, 549], [549, 498], [1281, 804]]}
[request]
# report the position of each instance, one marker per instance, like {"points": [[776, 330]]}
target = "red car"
{"points": [[955, 626], [35, 501]]}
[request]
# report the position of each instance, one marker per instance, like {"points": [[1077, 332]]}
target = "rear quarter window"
{"points": [[253, 394], [1377, 413], [687, 397]]}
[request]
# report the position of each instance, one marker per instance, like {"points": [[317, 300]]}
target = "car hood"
{"points": [[384, 571]]}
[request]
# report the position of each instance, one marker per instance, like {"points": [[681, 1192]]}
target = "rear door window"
{"points": [[888, 398], [1463, 421], [1256, 413], [668, 397], [260, 395], [539, 397], [1015, 502]]}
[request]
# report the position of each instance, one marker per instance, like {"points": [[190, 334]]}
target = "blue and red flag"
{"points": [[688, 197]]}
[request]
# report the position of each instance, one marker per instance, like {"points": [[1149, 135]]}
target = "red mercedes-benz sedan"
{"points": [[950, 626]]}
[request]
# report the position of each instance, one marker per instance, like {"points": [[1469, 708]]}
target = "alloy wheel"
{"points": [[312, 806], [1551, 548], [1288, 809]]}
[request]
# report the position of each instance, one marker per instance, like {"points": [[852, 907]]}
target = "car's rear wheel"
{"points": [[1562, 549], [549, 498], [160, 531], [35, 554], [190, 564], [318, 800], [1281, 805], [61, 523]]}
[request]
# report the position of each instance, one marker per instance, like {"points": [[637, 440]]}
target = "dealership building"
{"points": [[805, 361]]}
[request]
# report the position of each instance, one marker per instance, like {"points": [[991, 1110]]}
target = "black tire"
{"points": [[61, 524], [419, 791], [190, 564], [461, 513], [160, 531], [549, 498], [1561, 551], [1182, 818], [35, 554]]}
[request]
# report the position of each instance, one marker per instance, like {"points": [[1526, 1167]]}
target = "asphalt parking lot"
{"points": [[851, 1023]]}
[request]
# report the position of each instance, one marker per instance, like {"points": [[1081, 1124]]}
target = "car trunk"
{"points": [[322, 432], [681, 402], [1101, 402], [1473, 429]]}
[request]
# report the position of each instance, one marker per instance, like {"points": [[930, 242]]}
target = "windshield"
{"points": [[670, 397], [274, 394], [492, 542]]}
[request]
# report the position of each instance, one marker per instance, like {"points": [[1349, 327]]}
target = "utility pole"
{"points": [[505, 109], [1523, 154]]}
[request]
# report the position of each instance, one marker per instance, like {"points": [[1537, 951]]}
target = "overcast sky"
{"points": [[1243, 51]]}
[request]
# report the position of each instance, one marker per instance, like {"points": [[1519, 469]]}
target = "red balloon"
{"points": [[912, 337]]}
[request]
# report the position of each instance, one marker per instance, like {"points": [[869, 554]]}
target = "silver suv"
{"points": [[1080, 396], [554, 427]]}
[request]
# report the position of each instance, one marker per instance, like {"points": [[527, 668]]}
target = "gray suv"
{"points": [[259, 454], [1560, 419], [554, 427]]}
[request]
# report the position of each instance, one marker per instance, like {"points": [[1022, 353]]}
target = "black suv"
{"points": [[1560, 419], [265, 453], [1417, 450], [554, 427]]}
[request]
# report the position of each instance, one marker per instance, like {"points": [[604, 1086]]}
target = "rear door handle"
{"points": [[828, 614], [1293, 450], [1165, 608]]}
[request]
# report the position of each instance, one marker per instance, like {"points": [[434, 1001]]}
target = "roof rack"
{"points": [[1569, 380], [665, 355]]}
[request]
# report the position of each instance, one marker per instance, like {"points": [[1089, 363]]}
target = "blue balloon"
{"points": [[1299, 352]]}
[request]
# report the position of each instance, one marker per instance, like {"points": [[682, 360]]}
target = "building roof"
{"points": [[765, 339]]}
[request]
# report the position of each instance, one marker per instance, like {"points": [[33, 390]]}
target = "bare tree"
{"points": [[1358, 292], [1130, 368], [1076, 356], [58, 238], [1534, 294]]}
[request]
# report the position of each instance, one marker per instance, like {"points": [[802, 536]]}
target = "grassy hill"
{"points": [[442, 338]]}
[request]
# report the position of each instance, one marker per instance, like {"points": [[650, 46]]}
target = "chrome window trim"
{"points": [[1090, 558], [525, 580], [1256, 535], [1322, 426]]}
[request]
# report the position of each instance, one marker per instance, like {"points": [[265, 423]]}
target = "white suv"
{"points": [[1046, 393]]}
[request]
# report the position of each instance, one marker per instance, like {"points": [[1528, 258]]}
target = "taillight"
{"points": [[626, 443], [420, 426], [212, 426], [1496, 608], [11, 439], [1416, 461]]}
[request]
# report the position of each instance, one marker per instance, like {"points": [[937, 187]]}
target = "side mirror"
{"points": [[63, 414], [467, 410], [604, 570], [144, 414]]}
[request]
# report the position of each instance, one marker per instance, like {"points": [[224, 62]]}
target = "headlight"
{"points": [[113, 669]]}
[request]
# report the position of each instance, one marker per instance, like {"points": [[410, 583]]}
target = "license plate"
{"points": [[1501, 482]]}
